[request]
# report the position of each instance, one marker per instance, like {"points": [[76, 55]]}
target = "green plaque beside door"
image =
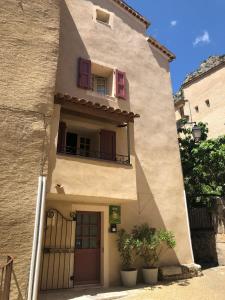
{"points": [[114, 214]]}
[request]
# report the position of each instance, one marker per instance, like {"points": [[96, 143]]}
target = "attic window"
{"points": [[207, 102], [102, 16], [196, 109]]}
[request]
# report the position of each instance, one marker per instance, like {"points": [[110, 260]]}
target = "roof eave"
{"points": [[170, 55], [133, 12]]}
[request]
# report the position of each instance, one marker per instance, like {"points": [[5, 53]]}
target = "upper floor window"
{"points": [[85, 146], [102, 16], [196, 109], [207, 102], [102, 80], [99, 85]]}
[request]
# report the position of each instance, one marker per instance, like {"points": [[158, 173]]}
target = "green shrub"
{"points": [[127, 248], [151, 243]]}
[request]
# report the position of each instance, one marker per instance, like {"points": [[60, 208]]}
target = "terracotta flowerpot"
{"points": [[129, 278], [150, 275]]}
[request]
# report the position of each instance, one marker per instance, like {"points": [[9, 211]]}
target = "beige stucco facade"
{"points": [[204, 101], [28, 55], [150, 189]]}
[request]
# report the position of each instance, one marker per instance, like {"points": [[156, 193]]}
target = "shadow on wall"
{"points": [[67, 64], [145, 209], [19, 294], [148, 209], [70, 47], [161, 60]]}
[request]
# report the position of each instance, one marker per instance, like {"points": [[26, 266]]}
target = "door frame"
{"points": [[104, 247]]}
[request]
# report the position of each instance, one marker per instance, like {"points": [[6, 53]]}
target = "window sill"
{"points": [[100, 96], [103, 23]]}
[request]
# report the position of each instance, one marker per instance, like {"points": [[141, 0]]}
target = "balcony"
{"points": [[94, 158], [97, 155]]}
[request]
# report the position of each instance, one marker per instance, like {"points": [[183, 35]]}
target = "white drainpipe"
{"points": [[37, 240], [188, 226]]}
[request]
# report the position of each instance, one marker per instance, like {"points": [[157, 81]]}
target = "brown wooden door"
{"points": [[87, 248], [108, 144]]}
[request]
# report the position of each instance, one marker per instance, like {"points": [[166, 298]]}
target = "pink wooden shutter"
{"points": [[120, 84], [84, 73], [61, 137]]}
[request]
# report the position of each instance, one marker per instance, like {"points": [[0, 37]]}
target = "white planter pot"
{"points": [[150, 275], [129, 278]]}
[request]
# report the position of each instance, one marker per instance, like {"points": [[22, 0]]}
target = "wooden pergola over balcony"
{"points": [[88, 109]]}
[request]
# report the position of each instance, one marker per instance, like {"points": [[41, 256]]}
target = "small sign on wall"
{"points": [[114, 214]]}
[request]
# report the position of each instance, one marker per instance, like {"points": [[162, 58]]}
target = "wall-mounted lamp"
{"points": [[113, 228], [196, 132]]}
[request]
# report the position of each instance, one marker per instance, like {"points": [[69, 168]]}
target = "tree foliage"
{"points": [[203, 165]]}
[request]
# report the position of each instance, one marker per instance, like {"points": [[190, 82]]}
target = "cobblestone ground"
{"points": [[210, 286]]}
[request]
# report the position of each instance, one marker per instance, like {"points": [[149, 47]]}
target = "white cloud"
{"points": [[173, 23], [202, 39]]}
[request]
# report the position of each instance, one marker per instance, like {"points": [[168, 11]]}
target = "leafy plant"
{"points": [[150, 243], [203, 165], [126, 246]]}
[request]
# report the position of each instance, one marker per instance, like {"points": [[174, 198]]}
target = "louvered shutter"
{"points": [[84, 73], [121, 84], [108, 144], [61, 137]]}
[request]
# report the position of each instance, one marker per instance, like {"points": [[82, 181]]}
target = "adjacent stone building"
{"points": [[29, 33], [202, 94]]}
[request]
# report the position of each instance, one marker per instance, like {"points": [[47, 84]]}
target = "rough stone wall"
{"points": [[28, 55], [204, 246], [219, 228]]}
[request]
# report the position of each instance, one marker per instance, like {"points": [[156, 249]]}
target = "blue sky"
{"points": [[193, 30]]}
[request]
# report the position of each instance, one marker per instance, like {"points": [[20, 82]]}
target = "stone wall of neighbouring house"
{"points": [[219, 225], [204, 246], [28, 55], [208, 233]]}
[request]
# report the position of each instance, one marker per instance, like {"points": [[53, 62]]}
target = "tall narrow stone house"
{"points": [[107, 142]]}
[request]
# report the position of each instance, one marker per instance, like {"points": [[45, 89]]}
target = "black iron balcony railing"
{"points": [[121, 159]]}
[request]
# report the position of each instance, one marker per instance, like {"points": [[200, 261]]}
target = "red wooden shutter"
{"points": [[108, 144], [120, 84], [61, 137], [84, 74]]}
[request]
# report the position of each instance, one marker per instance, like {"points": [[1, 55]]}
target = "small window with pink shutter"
{"points": [[120, 84], [84, 73]]}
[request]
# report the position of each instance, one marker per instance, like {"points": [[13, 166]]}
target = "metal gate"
{"points": [[57, 270]]}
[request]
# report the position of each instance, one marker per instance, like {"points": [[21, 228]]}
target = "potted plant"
{"points": [[150, 244], [127, 248]]}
